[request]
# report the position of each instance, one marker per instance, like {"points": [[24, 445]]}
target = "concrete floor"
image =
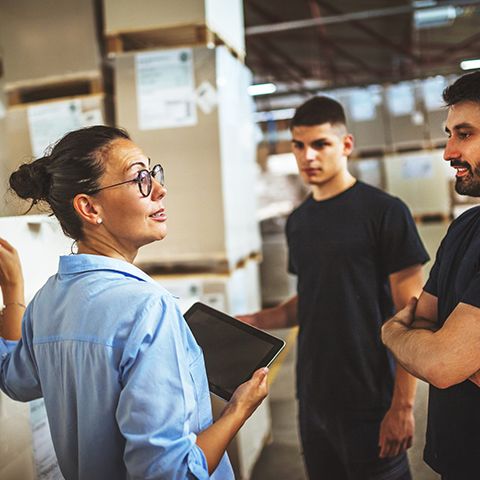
{"points": [[282, 459]]}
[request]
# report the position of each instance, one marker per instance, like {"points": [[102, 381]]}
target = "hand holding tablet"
{"points": [[232, 349]]}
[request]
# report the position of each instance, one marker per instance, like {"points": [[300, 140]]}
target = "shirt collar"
{"points": [[70, 264]]}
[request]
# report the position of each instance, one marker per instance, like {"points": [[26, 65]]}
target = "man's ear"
{"points": [[347, 144], [86, 208]]}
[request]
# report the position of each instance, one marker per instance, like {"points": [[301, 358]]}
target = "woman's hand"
{"points": [[248, 396], [10, 268], [246, 399]]}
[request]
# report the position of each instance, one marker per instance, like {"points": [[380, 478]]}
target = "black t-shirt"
{"points": [[453, 432], [343, 250]]}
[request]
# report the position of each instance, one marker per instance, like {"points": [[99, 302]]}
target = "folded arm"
{"points": [[441, 356]]}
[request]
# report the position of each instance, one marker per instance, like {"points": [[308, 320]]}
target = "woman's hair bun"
{"points": [[32, 180]]}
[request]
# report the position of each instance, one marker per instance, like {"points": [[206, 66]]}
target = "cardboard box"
{"points": [[407, 120], [48, 41], [222, 17], [421, 180], [210, 168], [366, 114], [31, 128], [5, 168]]}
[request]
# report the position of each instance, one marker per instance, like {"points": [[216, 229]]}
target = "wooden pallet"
{"points": [[197, 266], [433, 218], [178, 36], [52, 89]]}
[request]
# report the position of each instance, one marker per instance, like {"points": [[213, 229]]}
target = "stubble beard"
{"points": [[470, 184]]}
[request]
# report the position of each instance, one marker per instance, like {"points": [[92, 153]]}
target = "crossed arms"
{"points": [[441, 356]]}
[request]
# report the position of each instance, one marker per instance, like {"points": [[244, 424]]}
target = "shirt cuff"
{"points": [[197, 464], [6, 347]]}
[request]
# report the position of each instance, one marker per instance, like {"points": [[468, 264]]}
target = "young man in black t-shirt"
{"points": [[438, 338], [358, 257]]}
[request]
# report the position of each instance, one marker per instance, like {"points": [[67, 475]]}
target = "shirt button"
{"points": [[4, 355]]}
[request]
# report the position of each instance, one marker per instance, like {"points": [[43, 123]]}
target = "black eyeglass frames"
{"points": [[143, 179]]}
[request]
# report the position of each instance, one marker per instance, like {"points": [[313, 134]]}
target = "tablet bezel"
{"points": [[277, 344]]}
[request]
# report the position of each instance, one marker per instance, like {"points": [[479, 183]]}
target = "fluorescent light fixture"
{"points": [[434, 17], [262, 89], [283, 114], [424, 3], [470, 64]]}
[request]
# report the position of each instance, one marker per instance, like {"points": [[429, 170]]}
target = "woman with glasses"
{"points": [[123, 379]]}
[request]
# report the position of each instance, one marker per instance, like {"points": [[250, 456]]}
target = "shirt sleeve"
{"points": [[18, 373], [400, 242], [431, 286], [158, 411]]}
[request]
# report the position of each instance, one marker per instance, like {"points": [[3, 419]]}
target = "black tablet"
{"points": [[232, 349]]}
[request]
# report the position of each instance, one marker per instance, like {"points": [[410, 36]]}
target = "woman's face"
{"points": [[128, 219]]}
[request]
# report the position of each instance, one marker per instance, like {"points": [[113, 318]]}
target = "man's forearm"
{"points": [[409, 345]]}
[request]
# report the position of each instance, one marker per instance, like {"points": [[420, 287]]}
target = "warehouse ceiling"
{"points": [[304, 46]]}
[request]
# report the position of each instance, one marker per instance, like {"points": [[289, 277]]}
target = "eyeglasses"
{"points": [[143, 179]]}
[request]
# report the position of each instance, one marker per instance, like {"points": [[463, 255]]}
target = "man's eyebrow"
{"points": [[460, 126], [463, 125]]}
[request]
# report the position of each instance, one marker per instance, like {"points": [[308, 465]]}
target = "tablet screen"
{"points": [[233, 350]]}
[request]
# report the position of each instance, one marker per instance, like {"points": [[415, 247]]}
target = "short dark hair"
{"points": [[75, 165], [466, 88], [318, 110]]}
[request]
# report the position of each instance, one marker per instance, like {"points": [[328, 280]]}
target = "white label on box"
{"points": [[362, 105], [401, 99], [206, 97], [165, 89], [49, 122], [46, 464], [432, 92], [91, 118], [417, 167]]}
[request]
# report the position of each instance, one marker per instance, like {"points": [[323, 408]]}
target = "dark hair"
{"points": [[75, 165], [318, 110], [466, 88]]}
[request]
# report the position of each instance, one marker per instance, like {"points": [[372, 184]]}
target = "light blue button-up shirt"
{"points": [[123, 379]]}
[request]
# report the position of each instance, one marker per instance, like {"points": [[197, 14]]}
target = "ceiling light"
{"points": [[434, 17], [470, 64], [262, 89]]}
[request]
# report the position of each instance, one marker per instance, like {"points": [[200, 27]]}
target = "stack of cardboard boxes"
{"points": [[53, 75]]}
